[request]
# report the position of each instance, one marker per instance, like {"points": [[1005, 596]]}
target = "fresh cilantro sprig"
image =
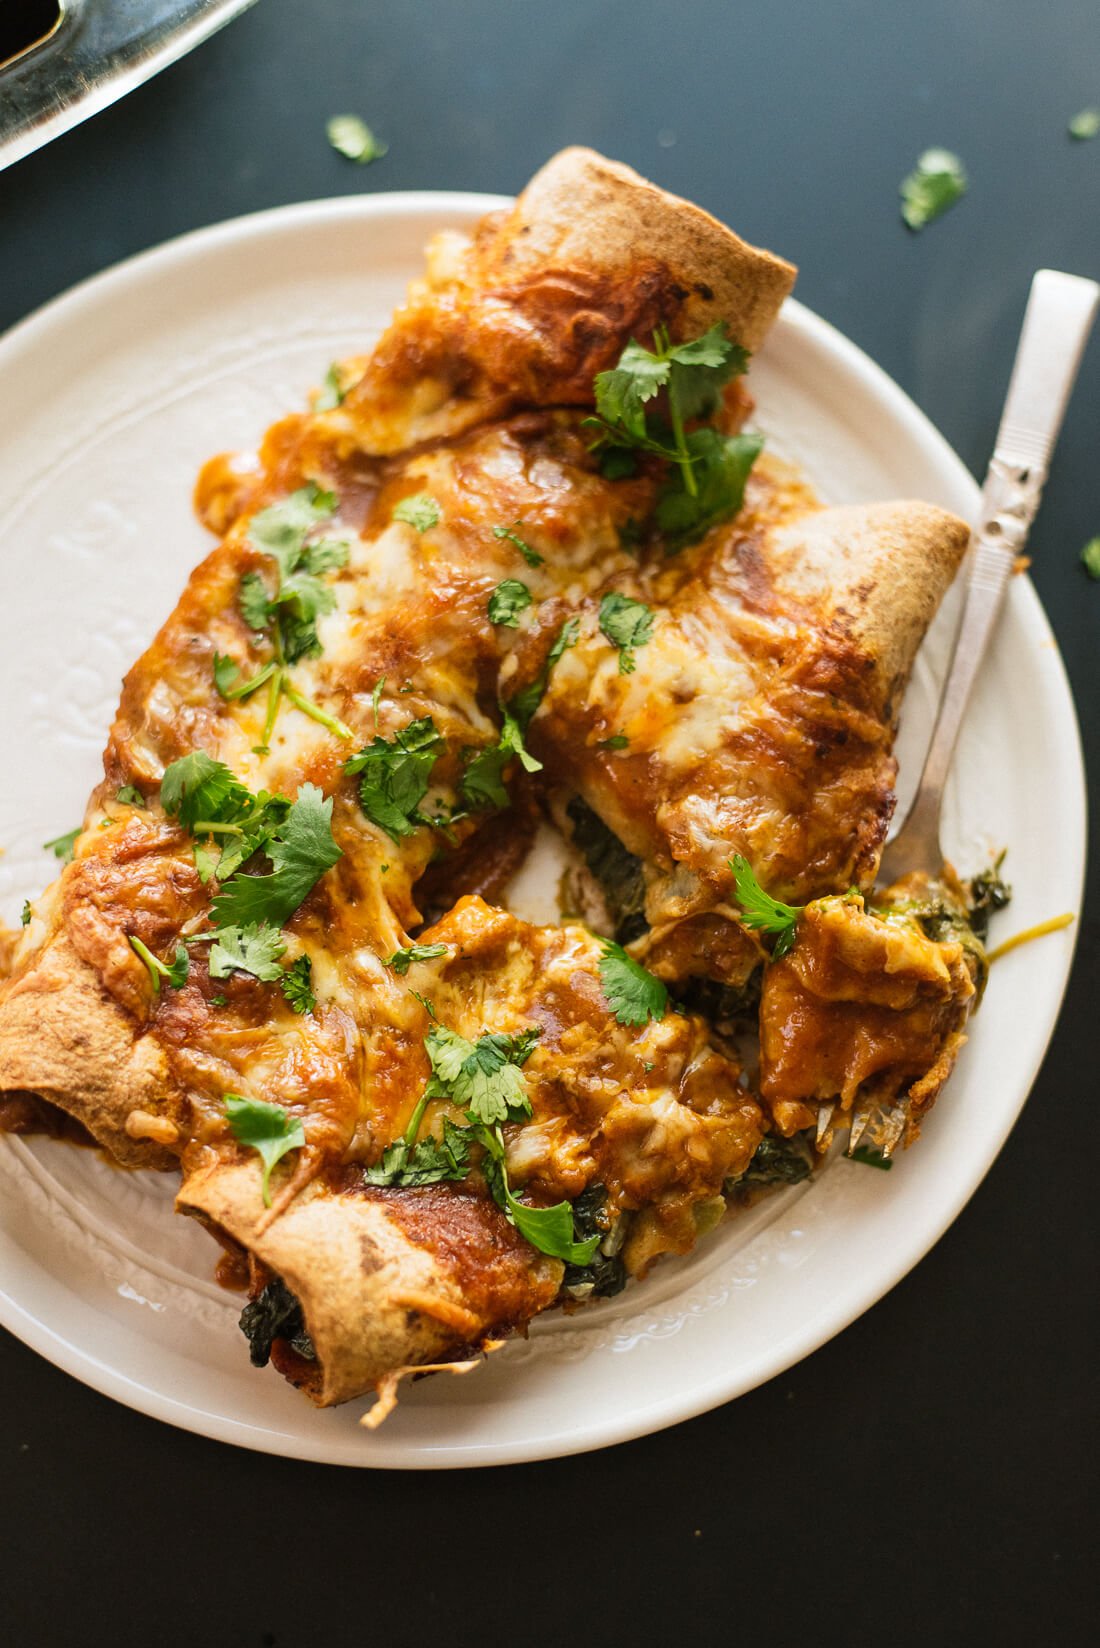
{"points": [[760, 911], [174, 974], [402, 960], [1090, 558], [631, 992], [127, 796], [627, 624], [213, 804], [297, 985], [485, 1078], [301, 849], [286, 615], [1084, 125], [483, 780], [507, 601], [709, 470], [395, 774], [266, 1128], [351, 137]]}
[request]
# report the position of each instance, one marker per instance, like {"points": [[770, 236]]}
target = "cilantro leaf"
{"points": [[430, 1161], [632, 993], [266, 1128], [351, 137], [507, 601], [395, 775], [627, 624], [760, 911], [617, 741], [720, 469], [252, 949], [531, 556], [420, 511], [128, 796], [62, 845], [26, 914], [1090, 557], [483, 782], [256, 605], [297, 985], [936, 182], [176, 974], [197, 789], [485, 1076], [549, 1229], [1084, 125], [402, 960], [301, 850], [332, 392]]}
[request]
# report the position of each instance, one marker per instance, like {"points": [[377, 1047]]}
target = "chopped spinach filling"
{"points": [[618, 872], [723, 1005], [605, 1274], [274, 1314], [777, 1161], [988, 892]]}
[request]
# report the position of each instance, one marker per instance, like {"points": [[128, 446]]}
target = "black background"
{"points": [[928, 1472]]}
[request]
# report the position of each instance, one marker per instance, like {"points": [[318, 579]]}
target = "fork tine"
{"points": [[860, 1121], [893, 1126], [824, 1121]]}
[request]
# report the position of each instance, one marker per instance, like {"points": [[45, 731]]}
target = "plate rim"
{"points": [[673, 1408]]}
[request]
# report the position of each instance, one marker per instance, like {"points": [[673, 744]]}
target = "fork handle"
{"points": [[1059, 317]]}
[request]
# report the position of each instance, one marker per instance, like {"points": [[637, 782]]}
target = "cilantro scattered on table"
{"points": [[1090, 557], [935, 183], [1084, 125], [351, 137]]}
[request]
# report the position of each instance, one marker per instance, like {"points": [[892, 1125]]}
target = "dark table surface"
{"points": [[928, 1471]]}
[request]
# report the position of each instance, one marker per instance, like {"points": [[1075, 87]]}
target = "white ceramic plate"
{"points": [[123, 388]]}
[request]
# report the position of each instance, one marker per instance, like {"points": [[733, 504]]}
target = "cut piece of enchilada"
{"points": [[424, 586]]}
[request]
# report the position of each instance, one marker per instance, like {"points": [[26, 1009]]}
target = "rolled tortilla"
{"points": [[385, 1278]]}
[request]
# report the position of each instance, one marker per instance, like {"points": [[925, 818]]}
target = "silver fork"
{"points": [[1059, 317]]}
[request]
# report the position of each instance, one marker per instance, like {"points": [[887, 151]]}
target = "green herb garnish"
{"points": [[332, 392], [936, 182], [531, 556], [760, 911], [632, 993], [627, 624], [402, 960], [1084, 125], [301, 849], [127, 796], [351, 137], [297, 985], [62, 845], [483, 781], [266, 1128], [26, 913], [419, 510], [507, 601], [617, 741], [1090, 557], [394, 776], [175, 975], [253, 949]]}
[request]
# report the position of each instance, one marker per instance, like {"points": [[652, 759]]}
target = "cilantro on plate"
{"points": [[266, 1128]]}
